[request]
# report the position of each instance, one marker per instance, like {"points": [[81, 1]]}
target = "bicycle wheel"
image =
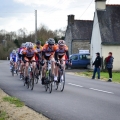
{"points": [[17, 72], [46, 87], [62, 81], [56, 85], [50, 82], [12, 71], [40, 72], [35, 76], [31, 82], [50, 87], [26, 83]]}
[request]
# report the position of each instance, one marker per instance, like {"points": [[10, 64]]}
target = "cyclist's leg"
{"points": [[43, 72], [15, 65], [21, 67], [11, 65], [37, 69], [26, 67], [33, 64], [63, 62], [63, 65]]}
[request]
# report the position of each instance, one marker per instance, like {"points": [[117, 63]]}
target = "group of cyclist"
{"points": [[37, 55]]}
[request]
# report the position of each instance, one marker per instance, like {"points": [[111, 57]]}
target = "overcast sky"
{"points": [[16, 14]]}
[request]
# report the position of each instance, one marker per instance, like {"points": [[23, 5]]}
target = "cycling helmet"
{"points": [[14, 51], [51, 41], [27, 44], [30, 45], [38, 42], [61, 42]]}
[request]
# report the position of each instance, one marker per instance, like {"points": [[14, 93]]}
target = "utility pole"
{"points": [[35, 26]]}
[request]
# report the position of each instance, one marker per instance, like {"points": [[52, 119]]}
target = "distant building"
{"points": [[78, 34]]}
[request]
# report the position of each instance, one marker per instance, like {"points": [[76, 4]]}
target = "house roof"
{"points": [[109, 23], [82, 29]]}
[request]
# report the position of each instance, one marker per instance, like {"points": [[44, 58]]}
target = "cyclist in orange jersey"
{"points": [[48, 54], [29, 55], [61, 54]]}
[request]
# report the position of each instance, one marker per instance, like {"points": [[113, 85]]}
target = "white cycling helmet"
{"points": [[27, 44], [30, 45], [61, 42], [14, 51]]}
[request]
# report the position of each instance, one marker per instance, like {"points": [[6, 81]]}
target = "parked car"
{"points": [[79, 60]]}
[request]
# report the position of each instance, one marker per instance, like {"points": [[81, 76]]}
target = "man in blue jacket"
{"points": [[97, 65]]}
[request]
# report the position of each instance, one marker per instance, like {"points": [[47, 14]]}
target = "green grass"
{"points": [[14, 101], [103, 75], [3, 115]]}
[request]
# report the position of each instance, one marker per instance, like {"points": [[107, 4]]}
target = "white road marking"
{"points": [[101, 90], [92, 88], [75, 85]]}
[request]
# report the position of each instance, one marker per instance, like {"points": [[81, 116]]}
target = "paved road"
{"points": [[82, 99]]}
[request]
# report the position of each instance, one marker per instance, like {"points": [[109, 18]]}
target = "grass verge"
{"points": [[103, 75], [14, 101], [3, 115]]}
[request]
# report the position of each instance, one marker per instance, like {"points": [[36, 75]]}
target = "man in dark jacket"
{"points": [[97, 66], [109, 65]]}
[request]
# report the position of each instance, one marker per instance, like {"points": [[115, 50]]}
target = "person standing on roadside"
{"points": [[109, 65], [97, 66]]}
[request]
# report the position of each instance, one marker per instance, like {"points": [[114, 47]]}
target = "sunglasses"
{"points": [[51, 44]]}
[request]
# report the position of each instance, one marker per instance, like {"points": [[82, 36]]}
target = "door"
{"points": [[75, 61], [84, 60]]}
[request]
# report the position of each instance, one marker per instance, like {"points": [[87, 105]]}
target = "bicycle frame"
{"points": [[48, 84], [61, 76]]}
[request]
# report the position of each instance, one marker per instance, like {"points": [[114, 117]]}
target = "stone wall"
{"points": [[80, 45], [68, 38]]}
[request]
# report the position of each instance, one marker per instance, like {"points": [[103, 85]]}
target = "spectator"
{"points": [[97, 66], [109, 65]]}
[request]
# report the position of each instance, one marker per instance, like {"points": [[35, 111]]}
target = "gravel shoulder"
{"points": [[18, 113]]}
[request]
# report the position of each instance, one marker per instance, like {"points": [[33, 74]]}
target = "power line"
{"points": [[86, 8], [53, 7]]}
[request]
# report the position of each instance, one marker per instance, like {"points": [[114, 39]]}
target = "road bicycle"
{"points": [[31, 75], [22, 74], [13, 71], [39, 74], [48, 77], [61, 76]]}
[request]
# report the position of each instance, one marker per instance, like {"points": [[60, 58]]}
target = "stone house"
{"points": [[106, 32], [78, 34]]}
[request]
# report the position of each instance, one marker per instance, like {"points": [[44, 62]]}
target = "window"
{"points": [[84, 57], [88, 57], [74, 57]]}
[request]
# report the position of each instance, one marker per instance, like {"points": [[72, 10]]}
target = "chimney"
{"points": [[100, 4], [70, 19]]}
